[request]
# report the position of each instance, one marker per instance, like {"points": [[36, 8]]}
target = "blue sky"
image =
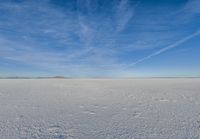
{"points": [[100, 38]]}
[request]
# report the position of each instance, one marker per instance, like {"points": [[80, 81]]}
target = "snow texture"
{"points": [[100, 108]]}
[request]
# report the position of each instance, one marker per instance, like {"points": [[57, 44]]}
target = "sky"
{"points": [[100, 38]]}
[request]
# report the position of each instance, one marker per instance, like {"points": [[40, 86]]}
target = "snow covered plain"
{"points": [[100, 108]]}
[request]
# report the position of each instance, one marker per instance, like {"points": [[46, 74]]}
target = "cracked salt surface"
{"points": [[100, 109]]}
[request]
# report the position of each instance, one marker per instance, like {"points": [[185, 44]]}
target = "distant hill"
{"points": [[20, 77]]}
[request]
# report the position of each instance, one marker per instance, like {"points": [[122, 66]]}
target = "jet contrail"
{"points": [[164, 49]]}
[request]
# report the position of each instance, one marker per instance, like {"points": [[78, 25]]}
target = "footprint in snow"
{"points": [[136, 114], [54, 128], [161, 99], [20, 117], [81, 106], [89, 112], [198, 124]]}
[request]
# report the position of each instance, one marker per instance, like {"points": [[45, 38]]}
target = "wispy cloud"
{"points": [[124, 13], [89, 35], [192, 7], [177, 43]]}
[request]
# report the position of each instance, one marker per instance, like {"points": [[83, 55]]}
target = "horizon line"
{"points": [[65, 77]]}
